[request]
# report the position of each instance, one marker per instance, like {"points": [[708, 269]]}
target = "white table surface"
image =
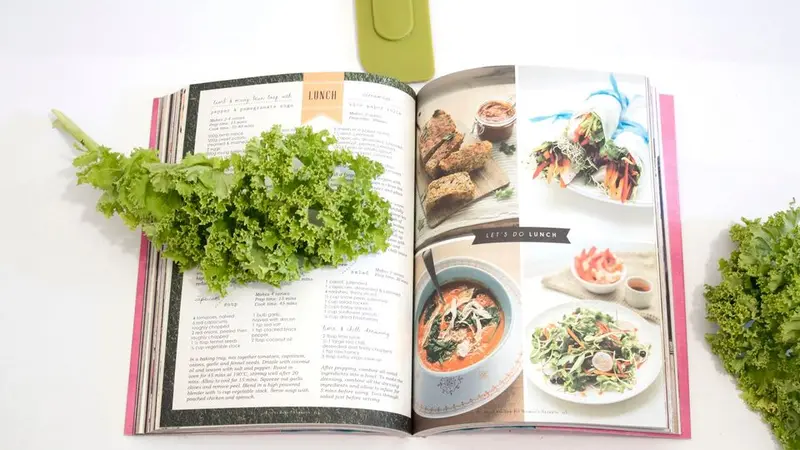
{"points": [[66, 314]]}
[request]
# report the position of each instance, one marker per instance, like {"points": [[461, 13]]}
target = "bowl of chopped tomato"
{"points": [[598, 271]]}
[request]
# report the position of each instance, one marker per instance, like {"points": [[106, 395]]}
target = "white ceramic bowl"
{"points": [[637, 298], [445, 394], [596, 288]]}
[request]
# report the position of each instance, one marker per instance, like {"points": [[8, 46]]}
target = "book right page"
{"points": [[538, 206]]}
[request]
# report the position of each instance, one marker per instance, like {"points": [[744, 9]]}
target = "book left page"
{"points": [[330, 350]]}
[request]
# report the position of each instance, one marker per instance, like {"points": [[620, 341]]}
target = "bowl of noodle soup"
{"points": [[466, 348]]}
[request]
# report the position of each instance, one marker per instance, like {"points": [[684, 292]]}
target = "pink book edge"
{"points": [[136, 340], [676, 258], [670, 160]]}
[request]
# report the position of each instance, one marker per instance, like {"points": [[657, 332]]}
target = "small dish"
{"points": [[598, 288], [638, 292]]}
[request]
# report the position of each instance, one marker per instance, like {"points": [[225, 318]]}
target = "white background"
{"points": [[67, 275]]}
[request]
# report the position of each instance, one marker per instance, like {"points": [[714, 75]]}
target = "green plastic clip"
{"points": [[394, 38]]}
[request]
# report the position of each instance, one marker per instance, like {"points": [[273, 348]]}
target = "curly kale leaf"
{"points": [[757, 309], [286, 205]]}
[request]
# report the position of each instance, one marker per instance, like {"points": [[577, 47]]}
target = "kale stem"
{"points": [[66, 124]]}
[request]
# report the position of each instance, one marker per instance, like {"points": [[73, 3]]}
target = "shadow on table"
{"points": [[721, 247], [113, 229]]}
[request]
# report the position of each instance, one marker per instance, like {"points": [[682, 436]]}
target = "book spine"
{"points": [[136, 340]]}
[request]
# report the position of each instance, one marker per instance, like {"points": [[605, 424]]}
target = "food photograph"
{"points": [[466, 153], [467, 322], [593, 341], [584, 150]]}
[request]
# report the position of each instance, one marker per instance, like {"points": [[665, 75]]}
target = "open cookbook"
{"points": [[534, 277]]}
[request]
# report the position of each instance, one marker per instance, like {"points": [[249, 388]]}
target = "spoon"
{"points": [[427, 258]]}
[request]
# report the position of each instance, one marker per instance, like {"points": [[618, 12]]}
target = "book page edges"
{"points": [[138, 314]]}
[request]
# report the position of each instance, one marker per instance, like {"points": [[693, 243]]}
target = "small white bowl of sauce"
{"points": [[638, 292]]}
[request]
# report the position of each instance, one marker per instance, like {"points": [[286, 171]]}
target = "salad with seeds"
{"points": [[589, 349]]}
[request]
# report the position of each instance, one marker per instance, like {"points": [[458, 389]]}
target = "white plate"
{"points": [[642, 195], [648, 334], [643, 198]]}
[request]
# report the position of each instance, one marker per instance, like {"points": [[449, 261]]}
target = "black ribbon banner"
{"points": [[521, 234]]}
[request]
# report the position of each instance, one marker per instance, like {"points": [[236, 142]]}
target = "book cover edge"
{"points": [[136, 338], [676, 258]]}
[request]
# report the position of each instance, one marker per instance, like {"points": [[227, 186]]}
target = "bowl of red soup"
{"points": [[466, 350], [495, 120]]}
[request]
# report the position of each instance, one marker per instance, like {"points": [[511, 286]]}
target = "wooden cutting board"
{"points": [[487, 179]]}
